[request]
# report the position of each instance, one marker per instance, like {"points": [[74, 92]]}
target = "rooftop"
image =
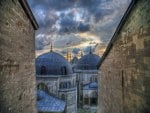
{"points": [[90, 86], [48, 103]]}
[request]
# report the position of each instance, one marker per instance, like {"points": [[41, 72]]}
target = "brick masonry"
{"points": [[125, 71], [17, 54]]}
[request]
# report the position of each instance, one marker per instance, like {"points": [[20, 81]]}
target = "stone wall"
{"points": [[17, 54], [125, 67]]}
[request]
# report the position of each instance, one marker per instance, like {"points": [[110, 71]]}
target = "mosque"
{"points": [[86, 70], [61, 85], [56, 84]]}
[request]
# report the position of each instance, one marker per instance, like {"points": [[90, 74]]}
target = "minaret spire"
{"points": [[70, 56], [51, 47], [67, 55], [90, 50]]}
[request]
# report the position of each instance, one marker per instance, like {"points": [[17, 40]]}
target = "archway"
{"points": [[43, 87]]}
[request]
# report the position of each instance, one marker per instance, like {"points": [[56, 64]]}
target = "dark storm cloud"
{"points": [[88, 49], [68, 25], [60, 5], [83, 27], [46, 17], [101, 13], [61, 17], [94, 9], [90, 5], [39, 44], [53, 4]]}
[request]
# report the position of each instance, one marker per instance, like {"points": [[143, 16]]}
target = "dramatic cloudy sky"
{"points": [[76, 24]]}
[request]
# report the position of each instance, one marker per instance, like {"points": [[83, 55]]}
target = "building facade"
{"points": [[125, 66], [17, 56], [55, 76], [87, 72]]}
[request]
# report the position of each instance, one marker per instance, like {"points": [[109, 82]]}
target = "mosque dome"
{"points": [[52, 63], [88, 62]]}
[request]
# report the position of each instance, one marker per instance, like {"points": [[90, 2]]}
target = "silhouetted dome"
{"points": [[88, 62], [52, 63]]}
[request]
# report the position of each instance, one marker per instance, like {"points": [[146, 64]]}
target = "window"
{"points": [[64, 70], [65, 85], [63, 97], [93, 101], [42, 86], [94, 94], [69, 85], [43, 70], [61, 85], [86, 101], [96, 79]]}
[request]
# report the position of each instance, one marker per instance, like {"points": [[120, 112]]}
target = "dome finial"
{"points": [[51, 47]]}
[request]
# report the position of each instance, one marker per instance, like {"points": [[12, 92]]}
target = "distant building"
{"points": [[87, 71], [68, 56], [56, 78]]}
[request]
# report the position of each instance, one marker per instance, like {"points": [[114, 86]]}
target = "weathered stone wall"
{"points": [[125, 71], [17, 80]]}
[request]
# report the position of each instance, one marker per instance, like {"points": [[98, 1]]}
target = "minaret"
{"points": [[67, 55], [90, 50], [51, 48], [70, 56]]}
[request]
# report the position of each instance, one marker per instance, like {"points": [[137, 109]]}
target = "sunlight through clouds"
{"points": [[76, 23]]}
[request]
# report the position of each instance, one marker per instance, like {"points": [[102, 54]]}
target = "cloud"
{"points": [[67, 23], [76, 50], [83, 27], [76, 22], [88, 49]]}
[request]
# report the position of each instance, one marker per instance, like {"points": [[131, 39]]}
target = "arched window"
{"points": [[94, 94], [42, 86], [61, 85], [68, 84], [64, 70], [63, 97], [93, 98], [65, 85], [43, 70], [96, 79]]}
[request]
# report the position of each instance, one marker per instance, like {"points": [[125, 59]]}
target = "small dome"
{"points": [[52, 63], [88, 62]]}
